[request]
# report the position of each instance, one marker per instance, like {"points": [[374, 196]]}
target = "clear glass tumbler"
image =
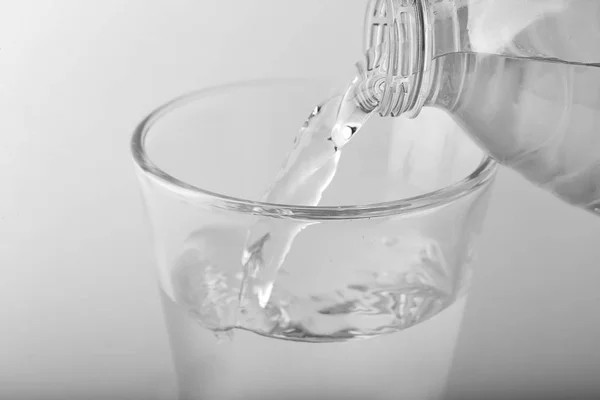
{"points": [[368, 302]]}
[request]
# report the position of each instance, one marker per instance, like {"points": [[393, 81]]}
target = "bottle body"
{"points": [[566, 30], [537, 117], [522, 78]]}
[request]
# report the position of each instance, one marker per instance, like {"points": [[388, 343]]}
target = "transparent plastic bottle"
{"points": [[522, 78]]}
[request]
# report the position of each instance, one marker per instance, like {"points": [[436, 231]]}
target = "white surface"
{"points": [[80, 314]]}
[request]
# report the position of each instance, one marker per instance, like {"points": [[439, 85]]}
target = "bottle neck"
{"points": [[411, 34], [396, 29]]}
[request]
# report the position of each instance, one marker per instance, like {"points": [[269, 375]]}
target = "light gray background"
{"points": [[79, 312]]}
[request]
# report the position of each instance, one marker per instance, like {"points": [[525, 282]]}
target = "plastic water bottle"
{"points": [[521, 77]]}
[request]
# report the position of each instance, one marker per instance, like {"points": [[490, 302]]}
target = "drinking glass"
{"points": [[368, 302]]}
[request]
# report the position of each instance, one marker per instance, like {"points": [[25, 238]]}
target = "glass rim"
{"points": [[480, 177]]}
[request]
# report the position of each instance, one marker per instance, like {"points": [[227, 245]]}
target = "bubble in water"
{"points": [[341, 135], [224, 337]]}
